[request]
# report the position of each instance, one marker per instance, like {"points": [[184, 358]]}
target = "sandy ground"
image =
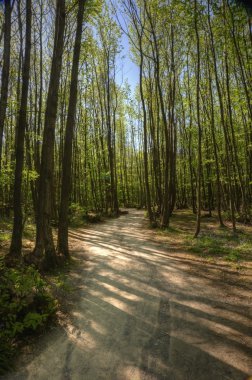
{"points": [[142, 310]]}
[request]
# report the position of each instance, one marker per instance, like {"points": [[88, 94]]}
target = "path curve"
{"points": [[144, 312]]}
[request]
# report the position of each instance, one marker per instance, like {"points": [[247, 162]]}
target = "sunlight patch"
{"points": [[132, 373], [99, 251], [118, 304], [122, 293], [82, 339], [98, 328]]}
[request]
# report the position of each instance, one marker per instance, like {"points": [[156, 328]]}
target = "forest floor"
{"points": [[148, 305]]}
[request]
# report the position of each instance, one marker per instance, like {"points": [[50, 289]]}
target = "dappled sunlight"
{"points": [[83, 339], [118, 304], [122, 293], [98, 328], [147, 255], [130, 372], [99, 251], [222, 313], [204, 320], [141, 311]]}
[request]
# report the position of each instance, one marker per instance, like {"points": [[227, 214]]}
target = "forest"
{"points": [[78, 139]]}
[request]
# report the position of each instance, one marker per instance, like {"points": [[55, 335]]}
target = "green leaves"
{"points": [[25, 304], [33, 320], [6, 176], [93, 8]]}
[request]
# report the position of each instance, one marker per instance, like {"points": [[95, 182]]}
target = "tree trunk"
{"points": [[199, 171], [68, 143], [16, 241], [5, 71], [146, 171], [227, 150], [44, 248], [217, 165]]}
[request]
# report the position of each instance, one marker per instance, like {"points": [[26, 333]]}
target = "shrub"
{"points": [[25, 305]]}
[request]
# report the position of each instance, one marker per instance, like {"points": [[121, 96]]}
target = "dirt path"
{"points": [[143, 311]]}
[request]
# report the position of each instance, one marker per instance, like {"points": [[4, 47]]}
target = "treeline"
{"points": [[72, 136], [64, 137], [195, 67]]}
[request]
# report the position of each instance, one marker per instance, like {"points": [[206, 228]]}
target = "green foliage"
{"points": [[5, 236], [61, 283], [224, 244], [5, 230], [76, 213], [93, 8], [215, 243], [29, 229], [207, 245], [25, 305], [76, 208], [31, 174], [6, 176], [233, 256]]}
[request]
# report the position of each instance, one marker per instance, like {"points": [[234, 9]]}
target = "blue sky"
{"points": [[128, 70]]}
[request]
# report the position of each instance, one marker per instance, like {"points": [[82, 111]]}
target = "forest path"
{"points": [[142, 310]]}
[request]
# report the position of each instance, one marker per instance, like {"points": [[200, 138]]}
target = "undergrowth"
{"points": [[25, 305], [214, 242], [6, 230], [225, 244]]}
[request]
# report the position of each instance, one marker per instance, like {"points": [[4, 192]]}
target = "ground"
{"points": [[141, 307]]}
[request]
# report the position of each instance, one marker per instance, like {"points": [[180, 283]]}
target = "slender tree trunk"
{"points": [[217, 165], [114, 202], [189, 136], [173, 130], [165, 212], [40, 102], [68, 143], [199, 172], [227, 150], [44, 248], [16, 241], [5, 71], [146, 171]]}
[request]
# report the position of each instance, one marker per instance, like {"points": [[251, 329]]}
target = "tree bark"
{"points": [[68, 142], [44, 249], [227, 150], [16, 241], [199, 171], [5, 71], [145, 153]]}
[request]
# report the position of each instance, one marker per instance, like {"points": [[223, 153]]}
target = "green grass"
{"points": [[212, 246], [223, 243], [214, 242]]}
